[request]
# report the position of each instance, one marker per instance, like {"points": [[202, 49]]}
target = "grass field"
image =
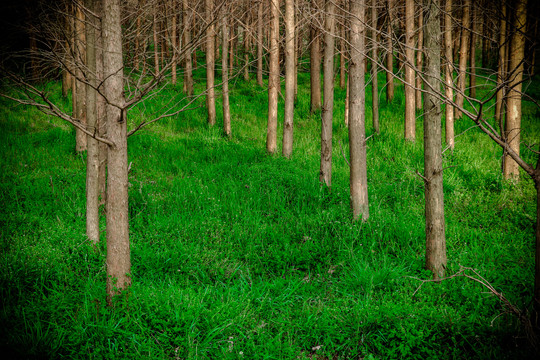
{"points": [[240, 255]]}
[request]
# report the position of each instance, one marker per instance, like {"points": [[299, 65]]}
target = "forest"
{"points": [[270, 179]]}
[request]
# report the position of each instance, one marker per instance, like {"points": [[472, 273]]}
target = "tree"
{"points": [[410, 94], [273, 79], [325, 174], [374, 68], [225, 74], [315, 59], [449, 81], [463, 57], [419, 57], [290, 55], [259, 43], [188, 74], [389, 53], [357, 133], [433, 171], [210, 59]]}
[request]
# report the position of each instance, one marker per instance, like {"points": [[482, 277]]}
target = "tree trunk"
{"points": [[174, 46], [225, 76], [156, 42], [410, 94], [513, 117], [472, 53], [374, 68], [260, 43], [246, 44], [80, 93], [290, 54], [325, 174], [342, 52], [210, 57], [390, 55], [449, 69], [101, 111], [463, 57], [501, 74], [118, 254], [419, 57], [357, 133], [273, 79], [315, 67], [435, 232], [188, 75]]}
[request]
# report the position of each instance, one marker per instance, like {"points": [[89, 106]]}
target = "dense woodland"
{"points": [[320, 179]]}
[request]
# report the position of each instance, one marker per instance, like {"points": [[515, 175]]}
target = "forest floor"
{"points": [[238, 254]]}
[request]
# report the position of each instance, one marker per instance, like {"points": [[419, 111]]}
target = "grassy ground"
{"points": [[237, 254]]}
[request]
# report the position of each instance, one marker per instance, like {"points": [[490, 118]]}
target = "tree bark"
{"points": [[290, 55], [210, 60], [156, 42], [315, 66], [80, 92], [357, 133], [433, 172], [174, 46], [513, 117], [374, 68], [225, 76], [273, 79], [419, 57], [390, 55], [325, 174], [101, 110], [501, 73], [449, 70], [118, 253], [472, 53], [260, 43], [463, 57], [410, 94], [188, 75]]}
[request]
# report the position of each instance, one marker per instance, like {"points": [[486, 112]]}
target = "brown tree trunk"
{"points": [[390, 55], [449, 70], [472, 53], [501, 73], [210, 60], [410, 94], [92, 159], [188, 74], [342, 51], [433, 172], [419, 57], [290, 54], [225, 76], [357, 133], [67, 79], [80, 92], [513, 117], [156, 42], [325, 174], [273, 79], [374, 68], [463, 56], [174, 45], [118, 254], [101, 111], [260, 43], [246, 43], [315, 67]]}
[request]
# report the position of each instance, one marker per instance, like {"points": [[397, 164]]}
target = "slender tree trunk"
{"points": [[315, 66], [173, 41], [92, 159], [374, 68], [67, 79], [118, 253], [410, 94], [449, 70], [342, 51], [347, 97], [390, 55], [225, 76], [419, 57], [156, 42], [260, 43], [210, 59], [80, 93], [188, 75], [501, 74], [325, 174], [433, 172], [246, 44], [513, 117], [101, 110], [463, 57], [290, 54], [273, 79], [472, 53], [357, 133]]}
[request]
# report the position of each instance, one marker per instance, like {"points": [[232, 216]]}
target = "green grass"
{"points": [[237, 254]]}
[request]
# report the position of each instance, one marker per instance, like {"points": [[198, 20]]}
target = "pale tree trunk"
{"points": [[342, 51], [315, 66], [463, 57], [390, 55], [80, 93], [433, 172], [273, 79], [472, 53], [225, 76], [210, 57], [449, 70], [290, 54], [374, 69], [118, 254], [156, 42], [513, 117], [92, 159], [501, 73], [173, 41], [325, 174], [410, 94], [188, 74], [260, 43], [246, 43], [357, 133], [419, 56], [101, 111]]}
